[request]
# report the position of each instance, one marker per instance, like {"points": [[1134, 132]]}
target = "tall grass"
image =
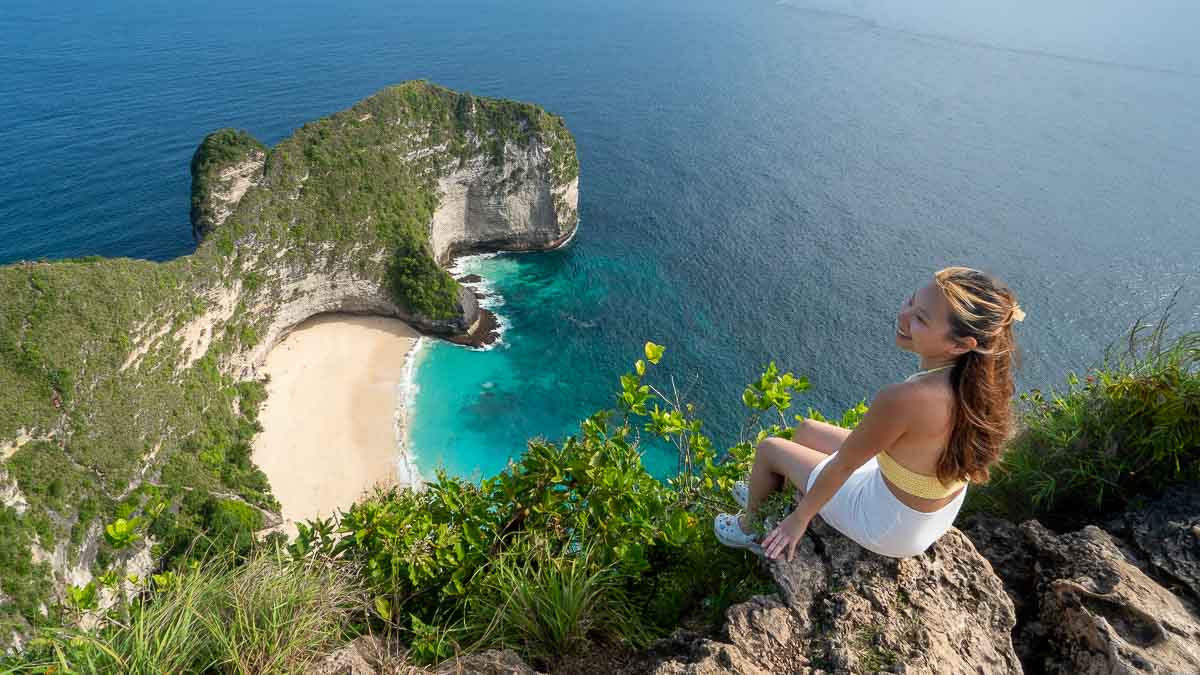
{"points": [[548, 604], [1126, 432], [267, 616]]}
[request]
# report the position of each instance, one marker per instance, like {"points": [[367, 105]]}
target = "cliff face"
{"points": [[517, 206], [129, 384]]}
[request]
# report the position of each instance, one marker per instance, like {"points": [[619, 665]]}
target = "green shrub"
{"points": [[1124, 434], [418, 282], [24, 582], [203, 526]]}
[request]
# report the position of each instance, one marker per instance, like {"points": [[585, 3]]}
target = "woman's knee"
{"points": [[769, 449], [783, 456]]}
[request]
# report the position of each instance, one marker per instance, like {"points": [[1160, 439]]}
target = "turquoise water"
{"points": [[759, 180], [475, 408]]}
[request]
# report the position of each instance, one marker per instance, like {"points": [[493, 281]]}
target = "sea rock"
{"points": [[485, 331], [1105, 615], [844, 609]]}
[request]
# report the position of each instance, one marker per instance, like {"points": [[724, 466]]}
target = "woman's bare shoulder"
{"points": [[902, 397], [927, 403]]}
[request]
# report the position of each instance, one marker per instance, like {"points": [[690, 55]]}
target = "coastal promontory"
{"points": [[130, 389]]}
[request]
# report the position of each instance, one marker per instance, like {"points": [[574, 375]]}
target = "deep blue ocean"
{"points": [[760, 180]]}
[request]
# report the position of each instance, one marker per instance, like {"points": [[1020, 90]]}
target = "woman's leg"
{"points": [[820, 436], [774, 460]]}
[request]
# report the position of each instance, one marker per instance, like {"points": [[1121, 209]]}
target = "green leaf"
{"points": [[654, 352], [383, 607]]}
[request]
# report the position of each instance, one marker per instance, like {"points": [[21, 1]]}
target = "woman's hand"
{"points": [[785, 536]]}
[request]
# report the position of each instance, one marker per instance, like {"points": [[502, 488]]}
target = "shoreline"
{"points": [[492, 325], [338, 408], [406, 398], [321, 462], [489, 333]]}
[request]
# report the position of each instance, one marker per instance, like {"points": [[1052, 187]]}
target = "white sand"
{"points": [[329, 423]]}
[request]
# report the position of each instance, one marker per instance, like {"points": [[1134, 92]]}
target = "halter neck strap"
{"points": [[925, 372]]}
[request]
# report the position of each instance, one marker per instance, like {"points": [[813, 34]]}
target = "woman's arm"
{"points": [[886, 419]]}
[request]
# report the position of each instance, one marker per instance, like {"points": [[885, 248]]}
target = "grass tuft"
{"points": [[551, 604], [267, 616]]}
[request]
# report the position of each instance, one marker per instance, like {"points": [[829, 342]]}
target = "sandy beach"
{"points": [[330, 420]]}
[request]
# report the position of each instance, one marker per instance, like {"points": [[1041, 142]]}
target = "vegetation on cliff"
{"points": [[122, 392], [94, 424], [575, 542], [218, 151], [574, 545]]}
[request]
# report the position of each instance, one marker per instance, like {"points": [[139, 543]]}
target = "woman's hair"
{"points": [[984, 308]]}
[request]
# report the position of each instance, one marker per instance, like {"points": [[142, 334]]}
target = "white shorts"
{"points": [[865, 510]]}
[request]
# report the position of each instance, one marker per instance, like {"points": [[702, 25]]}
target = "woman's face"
{"points": [[923, 326]]}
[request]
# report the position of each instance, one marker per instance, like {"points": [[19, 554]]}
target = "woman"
{"points": [[895, 483]]}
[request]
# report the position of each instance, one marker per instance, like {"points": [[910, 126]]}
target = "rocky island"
{"points": [[132, 388]]}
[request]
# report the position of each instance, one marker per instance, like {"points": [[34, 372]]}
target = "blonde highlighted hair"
{"points": [[982, 307]]}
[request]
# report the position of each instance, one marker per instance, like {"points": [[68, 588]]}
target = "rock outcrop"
{"points": [[844, 609], [1167, 535], [1103, 614], [490, 662], [1119, 599], [371, 656], [360, 657], [225, 165]]}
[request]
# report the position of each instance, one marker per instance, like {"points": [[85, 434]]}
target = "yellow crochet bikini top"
{"points": [[917, 484]]}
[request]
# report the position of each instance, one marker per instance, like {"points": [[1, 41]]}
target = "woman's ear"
{"points": [[964, 345]]}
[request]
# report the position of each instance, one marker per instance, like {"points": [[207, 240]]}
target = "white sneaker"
{"points": [[741, 493], [728, 532]]}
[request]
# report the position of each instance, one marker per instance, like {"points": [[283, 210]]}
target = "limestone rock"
{"points": [[712, 658], [1011, 557], [349, 660], [233, 183], [513, 207], [1104, 614], [490, 662], [1168, 534], [845, 609]]}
